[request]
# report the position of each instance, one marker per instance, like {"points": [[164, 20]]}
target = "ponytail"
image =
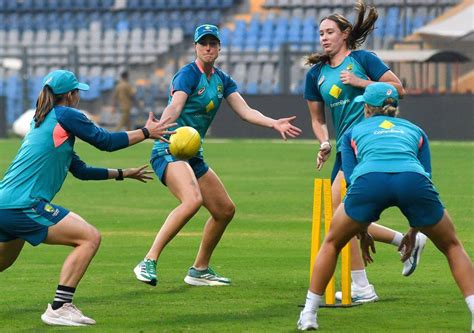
{"points": [[45, 103]]}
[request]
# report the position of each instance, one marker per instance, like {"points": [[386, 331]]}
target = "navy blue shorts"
{"points": [[160, 162], [411, 192], [30, 224]]}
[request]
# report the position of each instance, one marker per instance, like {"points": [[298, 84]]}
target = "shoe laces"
{"points": [[211, 271], [150, 265], [73, 308]]}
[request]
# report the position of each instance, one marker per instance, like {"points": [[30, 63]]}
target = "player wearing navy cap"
{"points": [[37, 174], [386, 162]]}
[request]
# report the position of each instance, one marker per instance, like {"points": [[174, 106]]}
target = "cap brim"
{"points": [[83, 86], [359, 98], [206, 34]]}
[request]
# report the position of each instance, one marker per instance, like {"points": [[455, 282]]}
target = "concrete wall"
{"points": [[443, 117]]}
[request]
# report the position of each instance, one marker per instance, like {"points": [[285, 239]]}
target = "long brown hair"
{"points": [[46, 101], [357, 33]]}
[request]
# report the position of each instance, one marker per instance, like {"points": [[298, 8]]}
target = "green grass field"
{"points": [[265, 250]]}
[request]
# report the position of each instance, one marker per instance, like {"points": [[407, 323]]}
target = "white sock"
{"points": [[397, 239], [313, 301], [470, 303], [359, 278]]}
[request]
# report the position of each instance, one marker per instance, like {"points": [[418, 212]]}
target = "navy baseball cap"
{"points": [[61, 82], [206, 29], [377, 93]]}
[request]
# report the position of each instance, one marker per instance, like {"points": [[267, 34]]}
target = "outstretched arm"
{"points": [[82, 171], [244, 111], [75, 122]]}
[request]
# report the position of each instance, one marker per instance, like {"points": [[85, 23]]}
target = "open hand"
{"points": [[407, 244], [366, 245], [284, 126], [140, 174], [158, 128]]}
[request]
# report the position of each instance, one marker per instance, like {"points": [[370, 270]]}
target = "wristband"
{"points": [[120, 174], [146, 132], [325, 143]]}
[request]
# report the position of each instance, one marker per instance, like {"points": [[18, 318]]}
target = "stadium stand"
{"points": [[99, 38]]}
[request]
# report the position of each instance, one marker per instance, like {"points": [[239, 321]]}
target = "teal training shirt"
{"points": [[46, 155], [204, 98], [323, 84], [385, 144]]}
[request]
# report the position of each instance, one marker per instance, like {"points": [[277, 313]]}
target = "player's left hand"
{"points": [[366, 245], [140, 174], [407, 244], [349, 78], [284, 126]]}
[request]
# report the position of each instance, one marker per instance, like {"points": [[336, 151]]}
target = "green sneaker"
{"points": [[206, 277], [145, 271]]}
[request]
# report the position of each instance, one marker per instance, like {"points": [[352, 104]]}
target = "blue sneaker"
{"points": [[145, 271], [205, 277]]}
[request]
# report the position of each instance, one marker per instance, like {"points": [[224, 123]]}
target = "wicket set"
{"points": [[322, 198]]}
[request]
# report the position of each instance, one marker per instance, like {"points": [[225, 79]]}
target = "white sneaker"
{"points": [[307, 321], [67, 315], [411, 263], [360, 295]]}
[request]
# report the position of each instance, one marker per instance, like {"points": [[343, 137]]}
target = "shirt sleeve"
{"points": [[424, 154], [76, 123], [372, 64], [185, 80], [230, 86], [80, 170], [311, 85], [348, 155]]}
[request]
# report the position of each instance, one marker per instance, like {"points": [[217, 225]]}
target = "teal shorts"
{"points": [[30, 224], [160, 162], [411, 192]]}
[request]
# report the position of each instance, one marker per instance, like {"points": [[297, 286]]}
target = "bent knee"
{"points": [[93, 239], [225, 213], [193, 203]]}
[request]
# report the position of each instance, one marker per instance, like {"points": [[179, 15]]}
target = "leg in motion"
{"points": [[183, 184], [361, 290], [73, 231], [343, 228], [222, 210], [443, 235]]}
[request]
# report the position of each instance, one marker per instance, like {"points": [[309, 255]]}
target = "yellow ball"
{"points": [[185, 143]]}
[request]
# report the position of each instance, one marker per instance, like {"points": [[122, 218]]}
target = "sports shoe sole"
{"points": [[307, 328], [365, 300], [203, 282], [139, 277], [59, 322], [374, 298]]}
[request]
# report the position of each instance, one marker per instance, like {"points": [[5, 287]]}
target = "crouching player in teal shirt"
{"points": [[37, 174], [196, 93], [386, 162]]}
